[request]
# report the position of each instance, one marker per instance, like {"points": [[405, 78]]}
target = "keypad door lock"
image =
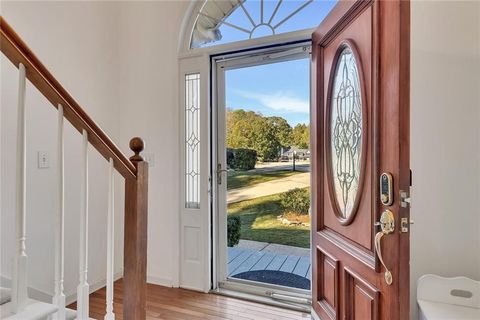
{"points": [[386, 189]]}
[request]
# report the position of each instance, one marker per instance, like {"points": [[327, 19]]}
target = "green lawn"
{"points": [[259, 222], [239, 179]]}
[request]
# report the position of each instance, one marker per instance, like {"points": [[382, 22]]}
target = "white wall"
{"points": [[445, 140], [149, 108], [119, 60], [78, 44]]}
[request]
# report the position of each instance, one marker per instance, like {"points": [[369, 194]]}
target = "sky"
{"points": [[277, 89], [280, 89]]}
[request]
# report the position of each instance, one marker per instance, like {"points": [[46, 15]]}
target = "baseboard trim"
{"points": [[160, 281], [72, 297], [193, 288]]}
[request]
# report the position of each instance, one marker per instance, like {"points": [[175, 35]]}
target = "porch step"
{"points": [[35, 310]]}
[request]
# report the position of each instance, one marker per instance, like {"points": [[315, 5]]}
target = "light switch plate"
{"points": [[43, 160]]}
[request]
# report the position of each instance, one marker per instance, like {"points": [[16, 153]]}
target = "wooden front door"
{"points": [[360, 166]]}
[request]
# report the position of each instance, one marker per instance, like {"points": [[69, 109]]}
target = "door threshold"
{"points": [[261, 295]]}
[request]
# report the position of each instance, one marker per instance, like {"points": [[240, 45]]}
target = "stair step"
{"points": [[35, 310], [5, 295], [70, 314]]}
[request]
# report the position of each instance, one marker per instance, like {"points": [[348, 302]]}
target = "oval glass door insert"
{"points": [[346, 132]]}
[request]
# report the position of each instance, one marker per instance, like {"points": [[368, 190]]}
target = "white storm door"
{"points": [[219, 167], [194, 202], [220, 65]]}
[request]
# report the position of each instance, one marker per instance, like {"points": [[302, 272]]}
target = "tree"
{"points": [[266, 142], [247, 129], [241, 128], [301, 136], [283, 131]]}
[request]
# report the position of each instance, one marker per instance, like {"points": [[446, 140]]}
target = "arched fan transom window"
{"points": [[225, 21]]}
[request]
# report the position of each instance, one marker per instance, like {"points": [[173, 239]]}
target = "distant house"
{"points": [[286, 154]]}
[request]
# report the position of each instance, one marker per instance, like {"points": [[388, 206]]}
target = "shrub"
{"points": [[243, 159], [230, 157], [233, 230], [296, 201]]}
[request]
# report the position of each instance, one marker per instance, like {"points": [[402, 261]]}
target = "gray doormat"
{"points": [[276, 277]]}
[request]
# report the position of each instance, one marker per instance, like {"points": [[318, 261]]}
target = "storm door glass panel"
{"points": [[346, 132], [192, 140]]}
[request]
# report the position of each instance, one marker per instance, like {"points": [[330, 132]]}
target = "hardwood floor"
{"points": [[180, 304]]}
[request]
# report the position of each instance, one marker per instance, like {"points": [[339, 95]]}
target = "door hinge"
{"points": [[219, 173], [404, 199]]}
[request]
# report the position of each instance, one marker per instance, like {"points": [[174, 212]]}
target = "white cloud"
{"points": [[280, 100]]}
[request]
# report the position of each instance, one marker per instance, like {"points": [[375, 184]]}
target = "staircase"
{"points": [[15, 302]]}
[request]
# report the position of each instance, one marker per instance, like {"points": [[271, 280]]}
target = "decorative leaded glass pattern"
{"points": [[192, 140], [346, 131]]}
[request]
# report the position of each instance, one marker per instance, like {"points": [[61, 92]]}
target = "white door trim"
{"points": [[198, 60], [194, 243]]}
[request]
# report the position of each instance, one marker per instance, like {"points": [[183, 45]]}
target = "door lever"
{"points": [[387, 226]]}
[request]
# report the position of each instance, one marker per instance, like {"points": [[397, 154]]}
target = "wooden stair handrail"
{"points": [[15, 49]]}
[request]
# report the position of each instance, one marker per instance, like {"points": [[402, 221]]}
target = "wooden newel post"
{"points": [[135, 237]]}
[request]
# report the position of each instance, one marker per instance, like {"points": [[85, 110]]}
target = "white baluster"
{"points": [[110, 240], [83, 287], [59, 297], [19, 283]]}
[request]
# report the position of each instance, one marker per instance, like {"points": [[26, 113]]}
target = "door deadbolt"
{"points": [[387, 222]]}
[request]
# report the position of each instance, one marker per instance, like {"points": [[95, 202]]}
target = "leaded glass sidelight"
{"points": [[192, 140], [346, 132]]}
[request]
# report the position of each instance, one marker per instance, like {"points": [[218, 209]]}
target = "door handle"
{"points": [[387, 226]]}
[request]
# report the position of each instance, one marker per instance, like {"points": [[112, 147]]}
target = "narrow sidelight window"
{"points": [[192, 140]]}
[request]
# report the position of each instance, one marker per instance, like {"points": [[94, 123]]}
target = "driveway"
{"points": [[303, 166], [301, 180]]}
